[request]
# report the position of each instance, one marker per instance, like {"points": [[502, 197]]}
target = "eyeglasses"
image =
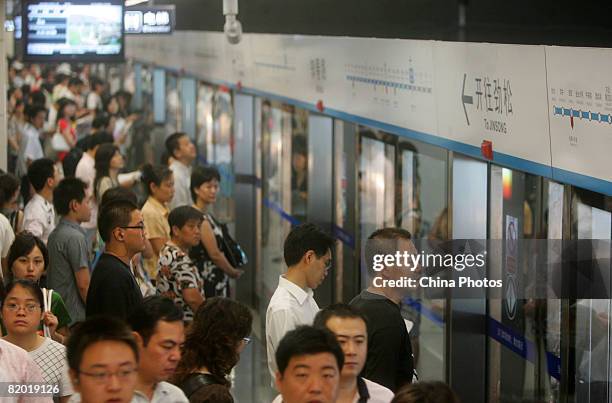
{"points": [[29, 308], [140, 227], [104, 377], [246, 340]]}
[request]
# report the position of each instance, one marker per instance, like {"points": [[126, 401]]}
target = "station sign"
{"points": [[149, 20]]}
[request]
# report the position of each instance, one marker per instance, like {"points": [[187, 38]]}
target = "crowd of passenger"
{"points": [[112, 294]]}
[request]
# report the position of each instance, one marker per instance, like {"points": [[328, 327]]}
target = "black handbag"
{"points": [[233, 252]]}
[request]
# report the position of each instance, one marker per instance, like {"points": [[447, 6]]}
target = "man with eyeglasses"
{"points": [[113, 289], [103, 359], [159, 331], [307, 253]]}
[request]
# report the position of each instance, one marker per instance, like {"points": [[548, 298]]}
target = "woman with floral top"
{"points": [[177, 277]]}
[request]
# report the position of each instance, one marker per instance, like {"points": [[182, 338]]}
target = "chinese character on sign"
{"points": [[487, 82], [507, 96], [570, 93], [497, 96], [149, 18], [478, 94], [589, 95], [162, 18]]}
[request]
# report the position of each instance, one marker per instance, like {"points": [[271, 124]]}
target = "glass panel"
{"points": [[345, 188], [188, 106], [299, 164], [129, 82], [591, 219], [222, 154], [142, 150], [423, 200], [159, 95], [520, 210], [114, 78], [551, 379], [276, 181], [376, 185], [173, 115], [469, 221], [204, 121]]}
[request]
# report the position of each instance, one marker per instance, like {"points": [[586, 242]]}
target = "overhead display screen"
{"points": [[78, 30], [149, 20]]}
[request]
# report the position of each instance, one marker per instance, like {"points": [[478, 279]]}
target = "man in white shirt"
{"points": [[39, 214], [307, 253], [349, 326], [157, 325], [30, 148], [183, 153]]}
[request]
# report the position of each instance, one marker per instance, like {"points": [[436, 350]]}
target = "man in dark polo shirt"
{"points": [[113, 289], [389, 361]]}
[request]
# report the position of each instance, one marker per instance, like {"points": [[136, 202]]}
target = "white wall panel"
{"points": [[451, 94], [580, 98]]}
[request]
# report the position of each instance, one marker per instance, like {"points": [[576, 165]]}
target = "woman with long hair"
{"points": [[66, 113], [212, 263], [158, 181], [109, 162], [28, 259], [22, 312], [218, 334]]}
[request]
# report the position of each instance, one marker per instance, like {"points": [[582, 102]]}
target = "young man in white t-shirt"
{"points": [[39, 214]]}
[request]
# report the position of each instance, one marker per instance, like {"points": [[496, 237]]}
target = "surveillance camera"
{"points": [[232, 27]]}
